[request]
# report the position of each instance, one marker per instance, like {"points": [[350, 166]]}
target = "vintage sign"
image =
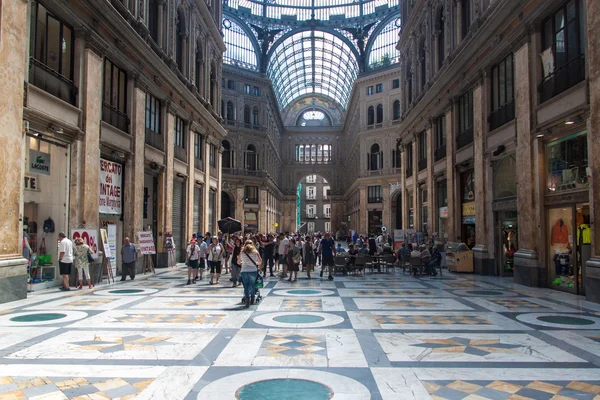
{"points": [[146, 243], [31, 183], [39, 163], [89, 236], [111, 180]]}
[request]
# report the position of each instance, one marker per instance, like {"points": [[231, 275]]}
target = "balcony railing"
{"points": [[502, 115], [422, 164], [155, 140], [244, 172], [114, 117], [562, 78], [464, 138], [439, 153], [180, 153], [51, 81]]}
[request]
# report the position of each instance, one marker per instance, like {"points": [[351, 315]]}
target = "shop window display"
{"points": [[570, 246], [567, 163]]}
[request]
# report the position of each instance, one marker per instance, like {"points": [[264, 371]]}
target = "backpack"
{"points": [[49, 226]]}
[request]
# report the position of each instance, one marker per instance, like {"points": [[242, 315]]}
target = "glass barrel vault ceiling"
{"points": [[323, 55], [312, 62]]}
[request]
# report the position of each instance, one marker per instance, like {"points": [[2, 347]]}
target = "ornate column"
{"points": [[186, 51], [207, 183], [239, 203], [459, 21], [161, 23], [403, 192], [138, 133], [592, 281], [363, 213], [13, 55], [191, 180], [451, 170], [262, 207], [430, 197], [169, 168], [482, 263], [92, 115], [387, 207], [219, 156], [527, 268], [415, 185]]}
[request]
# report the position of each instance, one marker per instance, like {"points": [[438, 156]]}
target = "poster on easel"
{"points": [[111, 266], [171, 253], [147, 249], [111, 230]]}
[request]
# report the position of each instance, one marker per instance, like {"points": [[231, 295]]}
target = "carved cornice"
{"points": [[565, 198]]}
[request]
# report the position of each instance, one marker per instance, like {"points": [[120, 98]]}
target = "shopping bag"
{"points": [[259, 282]]}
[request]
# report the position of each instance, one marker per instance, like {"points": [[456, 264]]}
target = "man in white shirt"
{"points": [[284, 246], [65, 259]]}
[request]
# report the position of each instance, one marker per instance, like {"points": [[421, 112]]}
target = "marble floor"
{"points": [[383, 336]]}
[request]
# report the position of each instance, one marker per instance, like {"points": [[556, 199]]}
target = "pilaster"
{"points": [[415, 186], [207, 183], [527, 269], [387, 208], [138, 133], [592, 273], [430, 195], [363, 227], [262, 215], [191, 181], [169, 170], [219, 156], [451, 172]]}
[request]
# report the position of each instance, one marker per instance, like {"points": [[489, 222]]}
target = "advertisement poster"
{"points": [[398, 238], [107, 253], [111, 179], [89, 236], [146, 243], [112, 243]]}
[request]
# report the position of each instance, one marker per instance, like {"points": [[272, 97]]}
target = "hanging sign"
{"points": [[39, 163], [89, 236], [111, 179], [146, 243]]}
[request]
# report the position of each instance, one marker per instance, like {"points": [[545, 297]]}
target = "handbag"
{"points": [[296, 258], [90, 258], [43, 257]]}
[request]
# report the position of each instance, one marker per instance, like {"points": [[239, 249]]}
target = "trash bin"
{"points": [[459, 257]]}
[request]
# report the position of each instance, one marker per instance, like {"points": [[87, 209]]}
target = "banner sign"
{"points": [[112, 243], [468, 209], [111, 179], [39, 163], [107, 254], [89, 236], [146, 243]]}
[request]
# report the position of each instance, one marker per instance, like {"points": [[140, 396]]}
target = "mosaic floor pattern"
{"points": [[380, 337]]}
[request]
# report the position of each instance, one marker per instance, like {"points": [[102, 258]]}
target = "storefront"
{"points": [[442, 205], [198, 207], [505, 213], [568, 212], [150, 210], [467, 190], [46, 204], [178, 223], [251, 221]]}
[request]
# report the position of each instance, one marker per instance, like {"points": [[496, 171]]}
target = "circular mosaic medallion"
{"points": [[285, 384], [40, 318], [303, 292], [298, 320], [563, 321], [484, 293], [289, 389], [125, 292]]}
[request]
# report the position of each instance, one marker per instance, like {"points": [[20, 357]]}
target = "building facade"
{"points": [[314, 205], [118, 125]]}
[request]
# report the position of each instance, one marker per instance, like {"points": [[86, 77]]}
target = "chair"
{"points": [[405, 262], [339, 264], [361, 263], [416, 265], [388, 262]]}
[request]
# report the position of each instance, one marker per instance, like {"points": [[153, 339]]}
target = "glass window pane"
{"points": [[67, 52], [54, 47]]}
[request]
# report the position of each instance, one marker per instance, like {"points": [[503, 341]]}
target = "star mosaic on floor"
{"points": [[113, 345], [512, 390], [516, 304], [293, 345], [17, 388], [478, 347]]}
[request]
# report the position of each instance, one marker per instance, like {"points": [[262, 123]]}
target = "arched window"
{"points": [[227, 154], [441, 37], [180, 39], [153, 19], [247, 114], [396, 110], [198, 66], [251, 158], [230, 116], [375, 158], [255, 116], [371, 116], [379, 113]]}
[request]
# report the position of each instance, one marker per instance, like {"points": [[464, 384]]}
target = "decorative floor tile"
{"points": [[134, 345], [529, 304], [410, 304], [470, 347], [207, 291], [412, 284], [437, 293], [208, 303], [87, 302], [280, 303], [430, 320]]}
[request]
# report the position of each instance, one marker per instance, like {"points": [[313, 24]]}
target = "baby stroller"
{"points": [[258, 285]]}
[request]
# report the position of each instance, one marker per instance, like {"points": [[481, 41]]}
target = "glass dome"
{"points": [[313, 118], [302, 10]]}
